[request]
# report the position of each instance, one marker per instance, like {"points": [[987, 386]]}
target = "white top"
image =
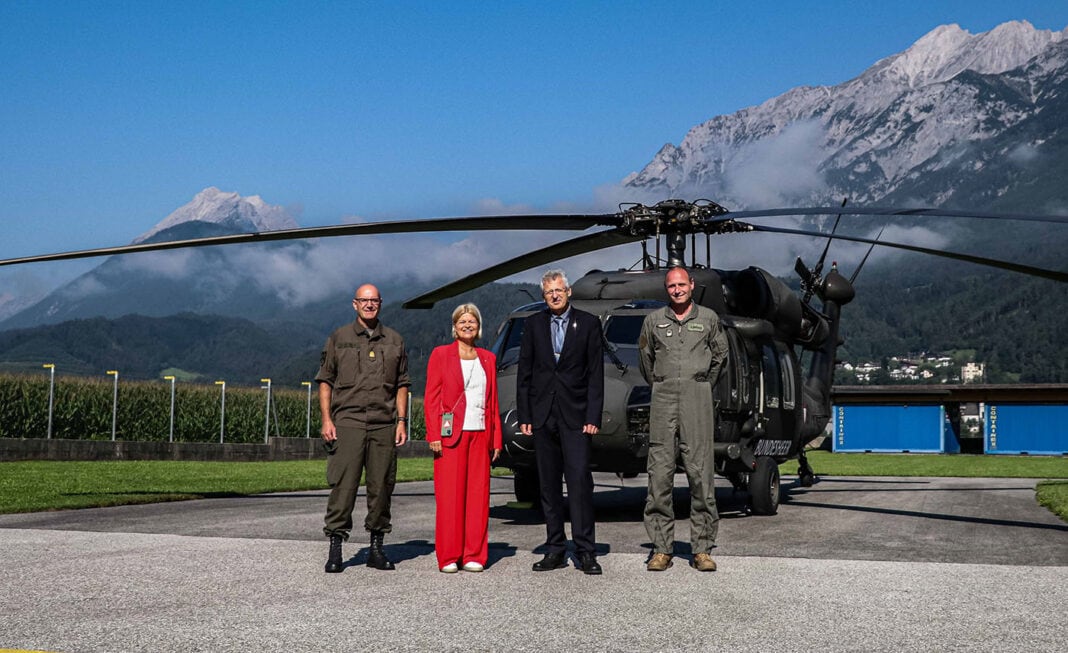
{"points": [[475, 390]]}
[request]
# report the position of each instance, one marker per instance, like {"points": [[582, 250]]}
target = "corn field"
{"points": [[82, 410]]}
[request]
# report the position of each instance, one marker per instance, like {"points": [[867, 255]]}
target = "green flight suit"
{"points": [[681, 361], [365, 370]]}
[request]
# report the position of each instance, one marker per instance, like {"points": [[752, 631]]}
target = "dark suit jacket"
{"points": [[445, 393], [575, 383]]}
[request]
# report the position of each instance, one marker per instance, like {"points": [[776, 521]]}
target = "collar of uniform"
{"points": [[670, 314], [361, 330]]}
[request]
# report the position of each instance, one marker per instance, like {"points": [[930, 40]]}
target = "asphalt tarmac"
{"points": [[851, 564]]}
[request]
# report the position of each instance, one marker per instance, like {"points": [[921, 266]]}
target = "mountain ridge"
{"points": [[869, 136]]}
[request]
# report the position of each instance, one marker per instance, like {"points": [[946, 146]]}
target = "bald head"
{"points": [[367, 303]]}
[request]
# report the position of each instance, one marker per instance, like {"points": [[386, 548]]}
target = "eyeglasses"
{"points": [[367, 302], [555, 291]]}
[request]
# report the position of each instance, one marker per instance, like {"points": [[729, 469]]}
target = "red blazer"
{"points": [[445, 387]]}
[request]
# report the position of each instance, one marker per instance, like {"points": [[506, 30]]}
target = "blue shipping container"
{"points": [[1026, 428], [890, 429]]}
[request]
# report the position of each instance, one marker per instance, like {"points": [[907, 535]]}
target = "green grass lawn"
{"points": [[906, 464], [48, 485]]}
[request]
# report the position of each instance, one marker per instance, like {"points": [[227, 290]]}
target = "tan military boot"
{"points": [[704, 562], [659, 562]]}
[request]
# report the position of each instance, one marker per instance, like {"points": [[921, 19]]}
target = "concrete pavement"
{"points": [[848, 565]]}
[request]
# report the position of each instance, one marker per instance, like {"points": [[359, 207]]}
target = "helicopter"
{"points": [[766, 412]]}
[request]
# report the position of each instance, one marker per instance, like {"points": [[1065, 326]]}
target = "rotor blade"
{"points": [[481, 223], [573, 247], [994, 263], [875, 210]]}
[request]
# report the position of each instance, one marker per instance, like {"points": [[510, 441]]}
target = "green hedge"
{"points": [[82, 410]]}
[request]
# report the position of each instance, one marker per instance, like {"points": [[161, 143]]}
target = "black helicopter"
{"points": [[766, 413]]}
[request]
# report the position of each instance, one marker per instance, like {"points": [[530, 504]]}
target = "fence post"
{"points": [[114, 403], [222, 411], [51, 393]]}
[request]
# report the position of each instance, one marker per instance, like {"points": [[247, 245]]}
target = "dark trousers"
{"points": [[357, 447], [565, 453]]}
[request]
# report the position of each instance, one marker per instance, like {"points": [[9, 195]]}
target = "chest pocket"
{"points": [[382, 366], [662, 338], [349, 364]]}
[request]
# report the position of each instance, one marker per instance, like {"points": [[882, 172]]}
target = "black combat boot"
{"points": [[333, 563], [377, 557]]}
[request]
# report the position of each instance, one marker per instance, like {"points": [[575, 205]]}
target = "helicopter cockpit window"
{"points": [[772, 377], [507, 346], [622, 332]]}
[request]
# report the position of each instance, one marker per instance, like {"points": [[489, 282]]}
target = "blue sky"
{"points": [[113, 114]]}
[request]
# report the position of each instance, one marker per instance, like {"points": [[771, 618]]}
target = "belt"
{"points": [[700, 378]]}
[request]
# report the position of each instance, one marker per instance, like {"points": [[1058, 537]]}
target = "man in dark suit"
{"points": [[560, 395]]}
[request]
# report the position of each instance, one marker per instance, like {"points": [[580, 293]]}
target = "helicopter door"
{"points": [[790, 385], [771, 401]]}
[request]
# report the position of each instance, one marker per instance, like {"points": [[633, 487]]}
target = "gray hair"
{"points": [[555, 273], [460, 311]]}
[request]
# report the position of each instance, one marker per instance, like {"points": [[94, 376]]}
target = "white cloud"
{"points": [[779, 170], [1023, 154]]}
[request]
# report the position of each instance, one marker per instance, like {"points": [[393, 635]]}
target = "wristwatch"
{"points": [[402, 419]]}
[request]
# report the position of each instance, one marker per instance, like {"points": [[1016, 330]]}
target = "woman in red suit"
{"points": [[463, 429]]}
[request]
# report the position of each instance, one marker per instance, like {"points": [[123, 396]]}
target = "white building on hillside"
{"points": [[972, 372]]}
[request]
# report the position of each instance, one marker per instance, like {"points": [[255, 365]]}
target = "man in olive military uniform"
{"points": [[363, 386], [682, 349]]}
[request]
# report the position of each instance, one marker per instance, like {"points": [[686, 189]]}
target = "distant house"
{"points": [[972, 372]]}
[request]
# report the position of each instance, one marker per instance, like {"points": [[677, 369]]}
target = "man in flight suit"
{"points": [[682, 349], [363, 385]]}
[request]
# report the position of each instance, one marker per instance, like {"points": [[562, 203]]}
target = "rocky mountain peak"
{"points": [[929, 113], [948, 50], [231, 210]]}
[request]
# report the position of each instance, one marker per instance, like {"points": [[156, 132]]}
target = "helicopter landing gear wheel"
{"points": [[764, 486], [526, 485], [804, 472]]}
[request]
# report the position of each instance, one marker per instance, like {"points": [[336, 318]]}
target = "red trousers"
{"points": [[461, 490]]}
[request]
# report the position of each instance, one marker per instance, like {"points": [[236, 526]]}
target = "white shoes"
{"points": [[452, 567]]}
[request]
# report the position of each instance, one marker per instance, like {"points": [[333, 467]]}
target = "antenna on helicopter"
{"points": [[865, 259], [818, 270]]}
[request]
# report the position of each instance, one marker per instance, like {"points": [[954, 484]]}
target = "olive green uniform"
{"points": [[364, 370], [681, 361]]}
